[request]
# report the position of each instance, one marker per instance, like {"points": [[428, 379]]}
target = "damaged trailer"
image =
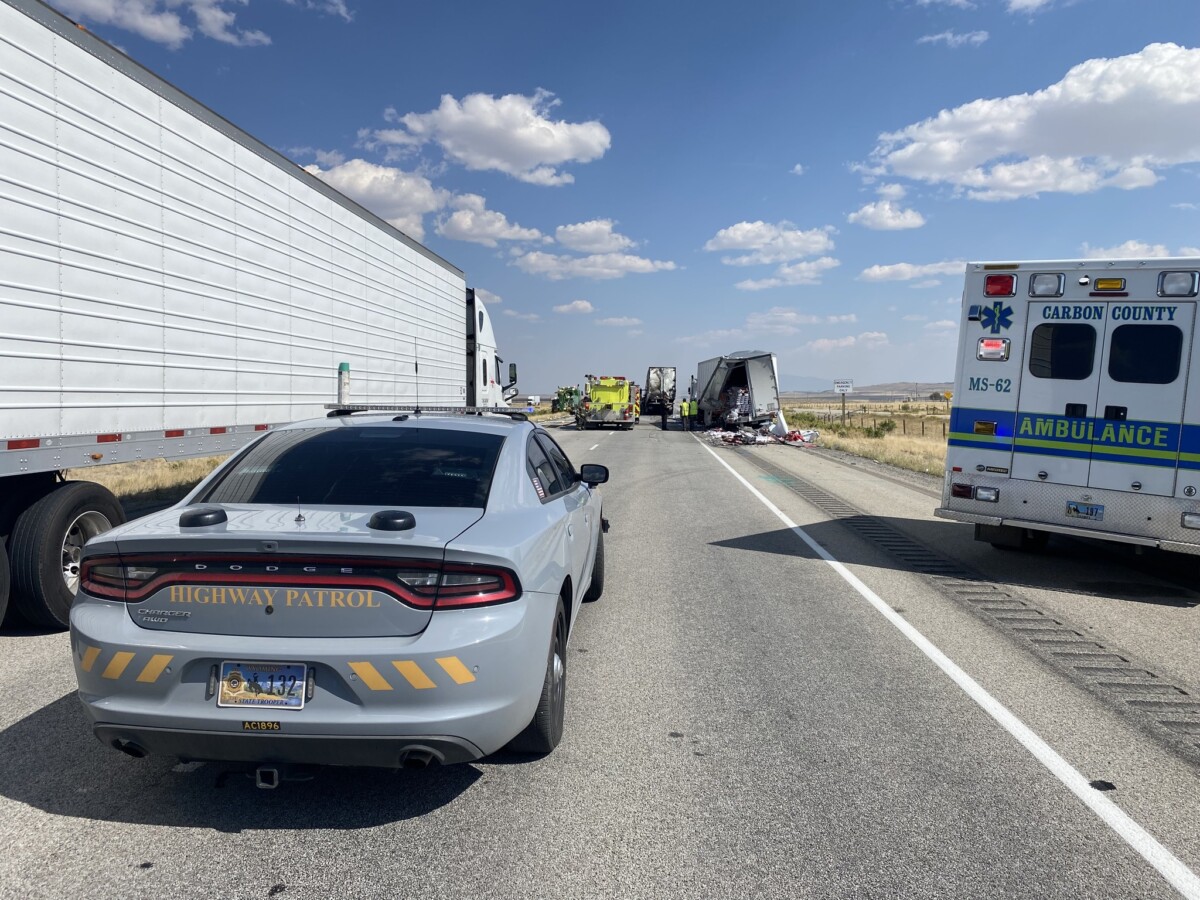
{"points": [[719, 380]]}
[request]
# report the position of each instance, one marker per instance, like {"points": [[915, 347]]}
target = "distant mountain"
{"points": [[790, 384], [896, 389]]}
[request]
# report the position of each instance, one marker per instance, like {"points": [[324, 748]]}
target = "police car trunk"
{"points": [[1073, 408]]}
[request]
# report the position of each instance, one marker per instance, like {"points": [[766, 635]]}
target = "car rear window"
{"points": [[363, 466]]}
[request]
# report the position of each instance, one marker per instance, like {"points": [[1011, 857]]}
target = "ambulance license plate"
{"points": [[262, 684], [1091, 511]]}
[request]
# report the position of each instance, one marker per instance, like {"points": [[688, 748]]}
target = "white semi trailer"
{"points": [[718, 381], [171, 287]]}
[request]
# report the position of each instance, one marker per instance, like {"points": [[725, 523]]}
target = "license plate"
{"points": [[1092, 511], [273, 685]]}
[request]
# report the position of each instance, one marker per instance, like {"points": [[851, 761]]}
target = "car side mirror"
{"points": [[593, 474]]}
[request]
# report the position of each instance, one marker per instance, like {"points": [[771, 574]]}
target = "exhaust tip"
{"points": [[137, 751], [419, 757]]}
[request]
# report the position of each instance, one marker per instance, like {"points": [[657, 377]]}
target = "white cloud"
{"points": [[867, 340], [797, 169], [150, 20], [1189, 251], [786, 320], [778, 320], [958, 4], [575, 307], [524, 317], [163, 21], [927, 283], [1027, 6], [798, 273], [909, 271], [769, 243], [331, 7], [1060, 138], [884, 215], [216, 22], [1187, 206], [557, 266], [488, 298], [402, 198], [942, 325], [512, 134], [892, 191], [473, 221], [620, 322], [596, 236], [954, 39], [1127, 250]]}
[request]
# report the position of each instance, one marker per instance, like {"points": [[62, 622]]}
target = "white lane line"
{"points": [[593, 447], [1163, 860]]}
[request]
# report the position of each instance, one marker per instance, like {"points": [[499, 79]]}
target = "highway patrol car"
{"points": [[1073, 409]]}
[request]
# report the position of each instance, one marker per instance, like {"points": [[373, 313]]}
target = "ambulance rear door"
{"points": [[1059, 385], [1139, 409]]}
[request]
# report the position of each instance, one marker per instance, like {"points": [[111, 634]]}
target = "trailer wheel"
{"points": [[46, 543], [4, 581]]}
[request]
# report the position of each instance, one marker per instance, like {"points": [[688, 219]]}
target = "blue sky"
{"points": [[640, 183]]}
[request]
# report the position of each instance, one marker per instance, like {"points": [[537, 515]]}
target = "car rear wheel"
{"points": [[596, 588], [545, 729], [45, 546]]}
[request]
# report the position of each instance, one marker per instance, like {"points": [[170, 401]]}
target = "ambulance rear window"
{"points": [[1145, 354], [1064, 351]]}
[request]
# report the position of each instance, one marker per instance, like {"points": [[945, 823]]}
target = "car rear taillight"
{"points": [[103, 576], [465, 586], [424, 584]]}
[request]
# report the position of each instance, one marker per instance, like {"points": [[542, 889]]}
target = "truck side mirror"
{"points": [[512, 374]]}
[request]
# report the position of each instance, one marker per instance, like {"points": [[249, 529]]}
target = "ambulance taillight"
{"points": [[1000, 286]]}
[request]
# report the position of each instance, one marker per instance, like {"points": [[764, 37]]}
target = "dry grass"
{"points": [[917, 441], [151, 479]]}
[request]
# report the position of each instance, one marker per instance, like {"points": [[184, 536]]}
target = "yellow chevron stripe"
{"points": [[413, 674], [89, 658], [370, 676], [116, 666], [455, 669], [154, 668]]}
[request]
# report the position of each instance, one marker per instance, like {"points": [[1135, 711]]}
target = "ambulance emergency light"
{"points": [[1178, 284]]}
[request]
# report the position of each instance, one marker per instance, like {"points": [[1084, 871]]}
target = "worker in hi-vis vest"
{"points": [[683, 414], [693, 409]]}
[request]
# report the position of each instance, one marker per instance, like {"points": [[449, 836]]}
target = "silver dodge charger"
{"points": [[365, 590]]}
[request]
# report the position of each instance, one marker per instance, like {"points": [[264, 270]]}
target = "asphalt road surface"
{"points": [[777, 696]]}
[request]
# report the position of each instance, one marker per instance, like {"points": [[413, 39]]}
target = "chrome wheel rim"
{"points": [[85, 527]]}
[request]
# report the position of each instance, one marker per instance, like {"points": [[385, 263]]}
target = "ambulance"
{"points": [[1073, 408]]}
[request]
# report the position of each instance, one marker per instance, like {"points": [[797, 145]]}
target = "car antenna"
{"points": [[299, 520], [416, 380]]}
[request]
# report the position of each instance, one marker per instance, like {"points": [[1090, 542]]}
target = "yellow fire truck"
{"points": [[607, 400]]}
